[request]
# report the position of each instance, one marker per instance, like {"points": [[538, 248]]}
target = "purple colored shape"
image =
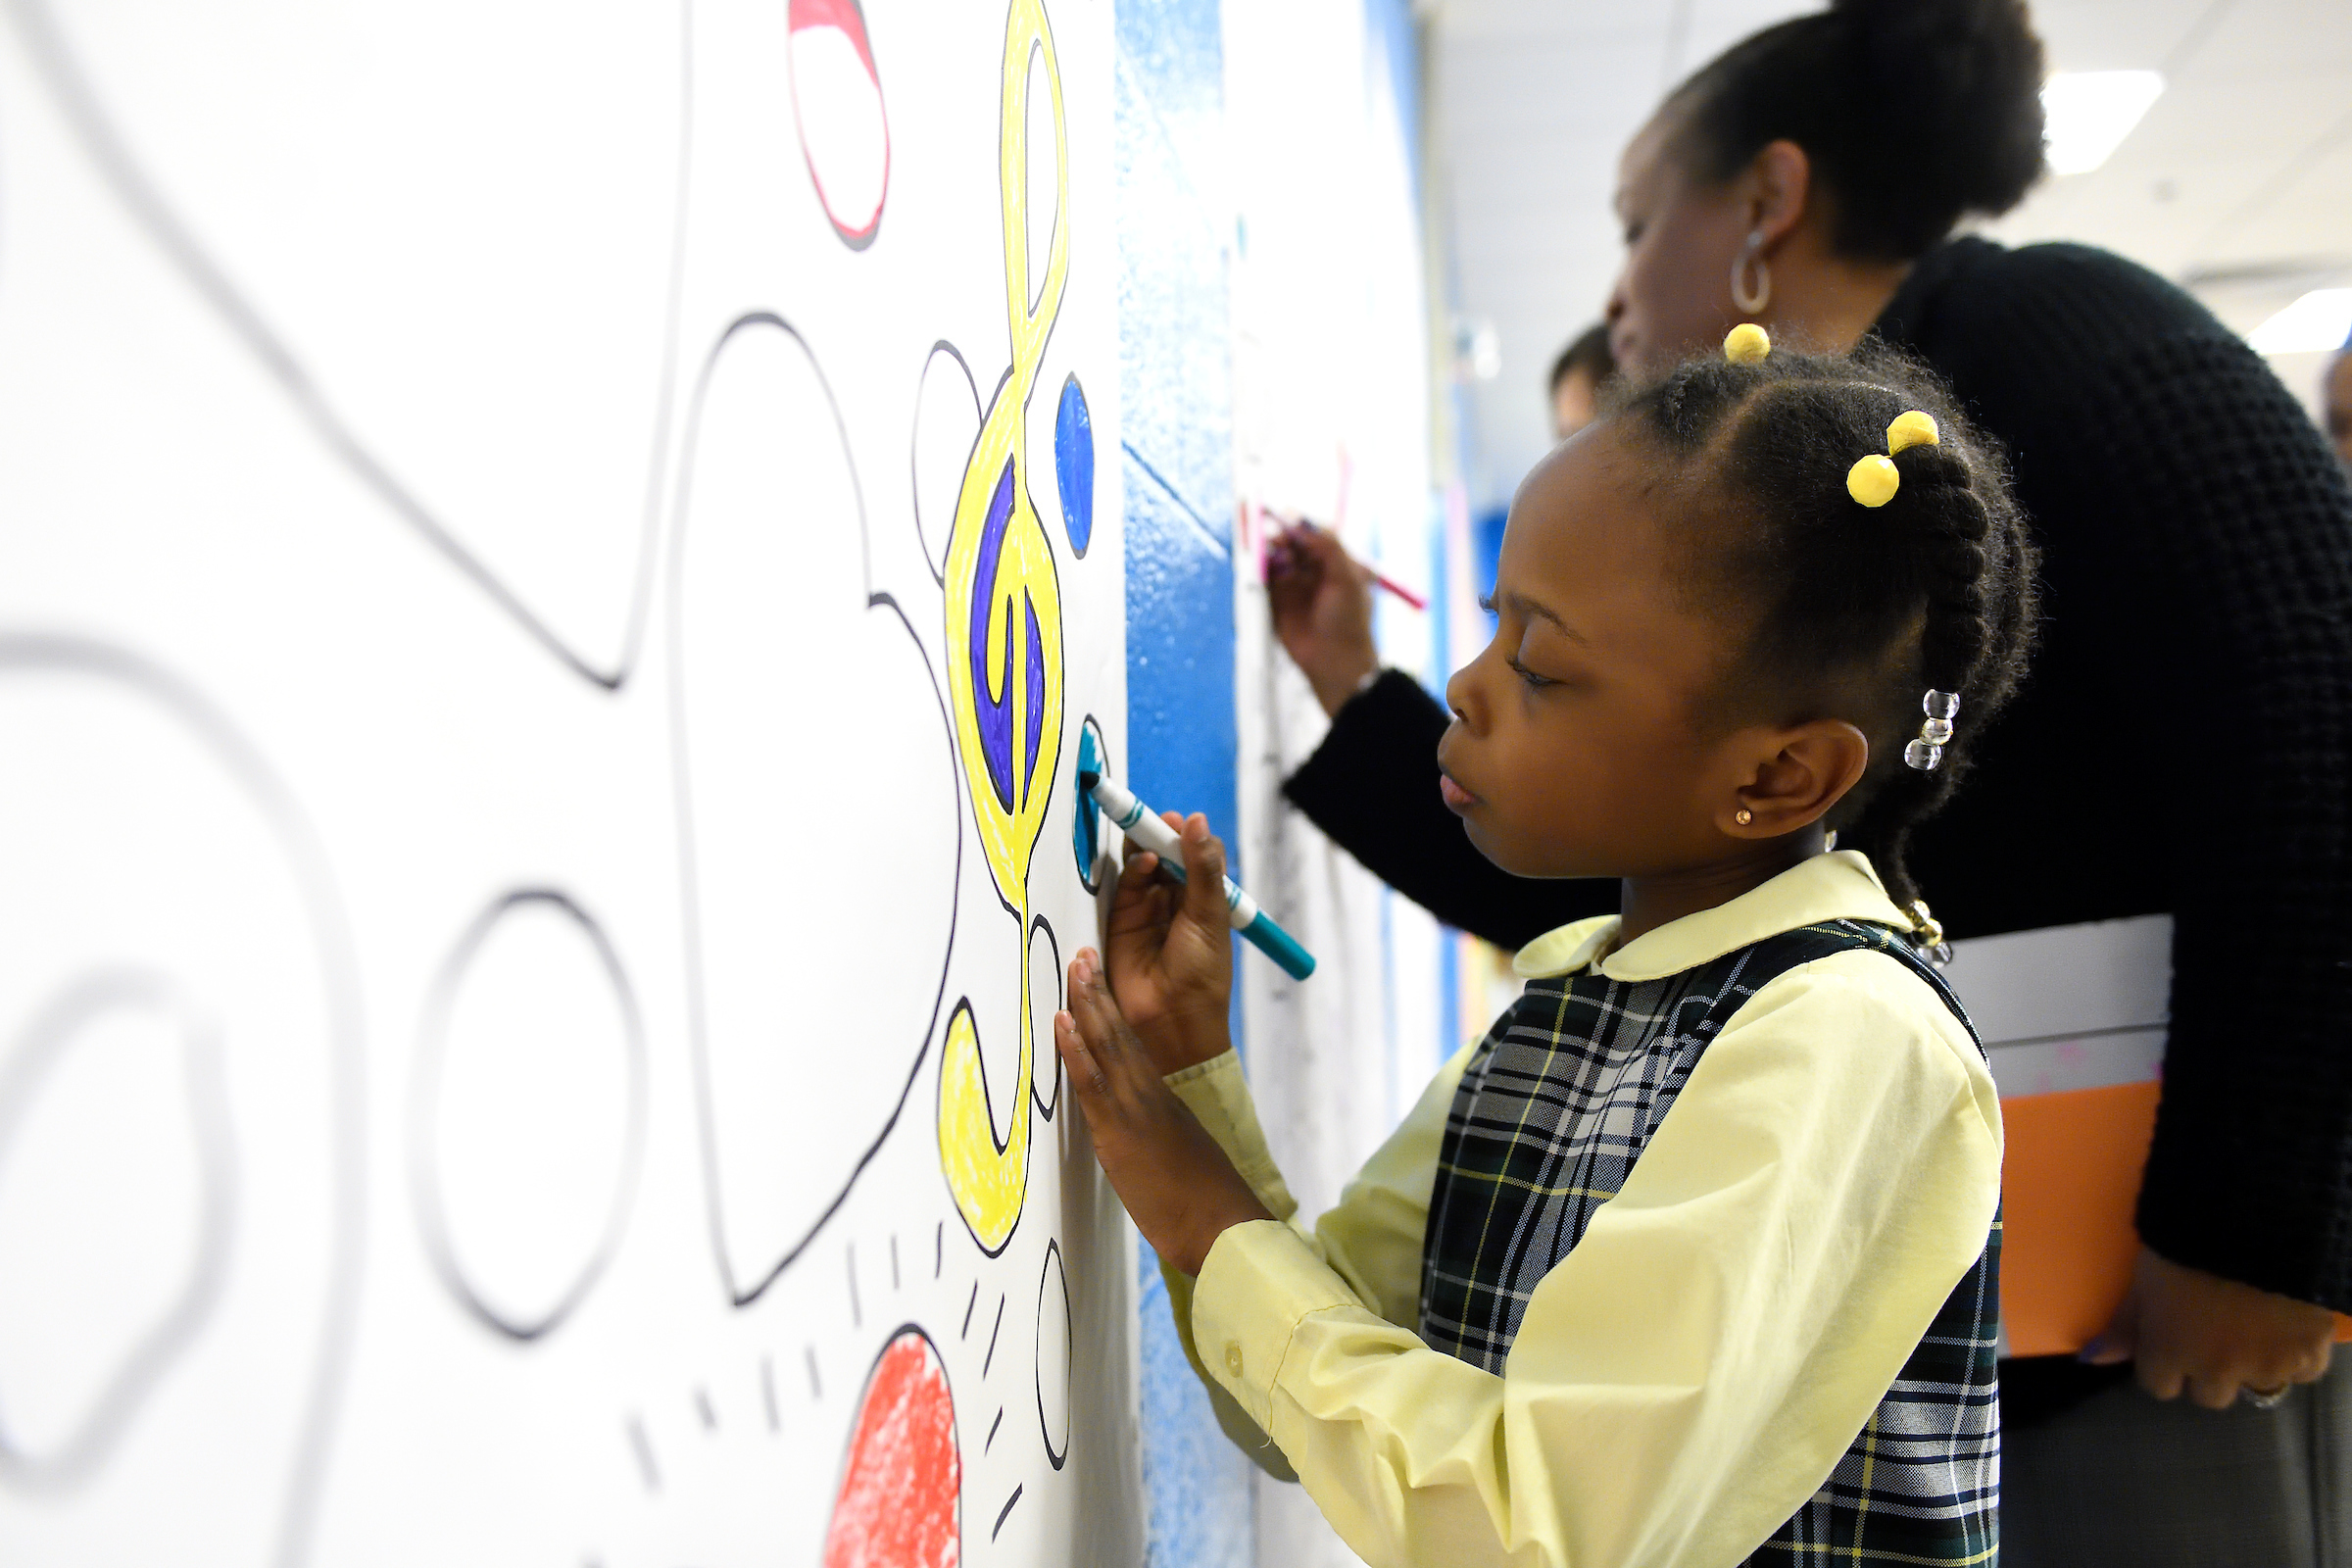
{"points": [[1037, 697], [994, 715]]}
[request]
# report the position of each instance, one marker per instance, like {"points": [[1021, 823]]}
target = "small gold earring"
{"points": [[1744, 817]]}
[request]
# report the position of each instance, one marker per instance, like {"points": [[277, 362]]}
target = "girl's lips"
{"points": [[1457, 798]]}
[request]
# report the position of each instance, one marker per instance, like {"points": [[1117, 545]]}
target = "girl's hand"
{"points": [[1170, 949], [1321, 598], [1178, 1185], [2194, 1333]]}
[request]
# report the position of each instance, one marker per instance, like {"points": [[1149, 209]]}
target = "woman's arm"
{"points": [[2197, 545], [2231, 523]]}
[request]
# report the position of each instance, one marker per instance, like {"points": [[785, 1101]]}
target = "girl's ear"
{"points": [[1805, 770]]}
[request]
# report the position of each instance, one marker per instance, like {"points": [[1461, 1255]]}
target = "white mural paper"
{"points": [[552, 562]]}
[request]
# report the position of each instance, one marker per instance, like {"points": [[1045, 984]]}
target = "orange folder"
{"points": [[2070, 1182]]}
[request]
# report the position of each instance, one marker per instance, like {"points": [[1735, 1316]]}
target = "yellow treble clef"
{"points": [[1003, 642]]}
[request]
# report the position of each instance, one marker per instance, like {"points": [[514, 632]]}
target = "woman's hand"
{"points": [[2187, 1331], [1178, 1185], [1322, 602], [1170, 949]]}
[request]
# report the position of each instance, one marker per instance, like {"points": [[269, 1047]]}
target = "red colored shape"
{"points": [[901, 1504], [856, 182], [843, 14]]}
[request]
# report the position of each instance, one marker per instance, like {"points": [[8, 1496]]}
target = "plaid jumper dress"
{"points": [[1558, 1101]]}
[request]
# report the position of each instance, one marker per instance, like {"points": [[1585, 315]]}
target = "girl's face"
{"points": [[1576, 748], [1674, 292]]}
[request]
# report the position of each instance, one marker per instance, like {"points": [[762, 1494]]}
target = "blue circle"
{"points": [[1074, 463]]}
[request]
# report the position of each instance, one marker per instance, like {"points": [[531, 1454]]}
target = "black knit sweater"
{"points": [[2183, 745]]}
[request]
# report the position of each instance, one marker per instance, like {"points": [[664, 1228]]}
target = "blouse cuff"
{"points": [[1217, 1094], [1258, 1283]]}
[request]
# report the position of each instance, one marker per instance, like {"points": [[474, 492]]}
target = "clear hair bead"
{"points": [[1923, 754], [1941, 705], [1936, 732]]}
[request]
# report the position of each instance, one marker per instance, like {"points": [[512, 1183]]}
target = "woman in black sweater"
{"points": [[2183, 745]]}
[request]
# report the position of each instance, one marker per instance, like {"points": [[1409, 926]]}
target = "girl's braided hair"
{"points": [[1851, 611]]}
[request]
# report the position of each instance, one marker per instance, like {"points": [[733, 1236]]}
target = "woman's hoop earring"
{"points": [[1744, 817], [1751, 302]]}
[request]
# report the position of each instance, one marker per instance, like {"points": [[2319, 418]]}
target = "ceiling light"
{"points": [[2319, 321], [2087, 114]]}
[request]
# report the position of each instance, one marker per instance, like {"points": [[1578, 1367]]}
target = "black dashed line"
{"points": [[894, 1262], [768, 1391], [989, 1359], [645, 1456], [992, 1430], [1008, 1510], [857, 1317], [702, 1404], [817, 1390], [967, 1332], [939, 1249]]}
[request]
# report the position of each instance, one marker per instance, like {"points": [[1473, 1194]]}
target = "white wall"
{"points": [[493, 850], [1330, 420]]}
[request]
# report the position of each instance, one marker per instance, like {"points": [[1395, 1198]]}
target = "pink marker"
{"points": [[1382, 581]]}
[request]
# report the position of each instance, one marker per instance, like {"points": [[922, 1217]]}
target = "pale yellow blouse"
{"points": [[1687, 1376]]}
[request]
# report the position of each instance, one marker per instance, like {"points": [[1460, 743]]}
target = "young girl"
{"points": [[1692, 1260]]}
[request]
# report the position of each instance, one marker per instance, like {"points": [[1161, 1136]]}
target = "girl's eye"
{"points": [[1534, 681]]}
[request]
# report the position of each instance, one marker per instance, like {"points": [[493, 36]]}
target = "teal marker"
{"points": [[1141, 823]]}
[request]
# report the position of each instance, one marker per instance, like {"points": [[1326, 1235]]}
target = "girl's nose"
{"points": [[1462, 696]]}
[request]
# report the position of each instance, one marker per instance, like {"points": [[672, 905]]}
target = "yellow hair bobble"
{"points": [[1746, 344], [1913, 429], [1872, 481]]}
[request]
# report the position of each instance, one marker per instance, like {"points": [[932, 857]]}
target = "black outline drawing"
{"points": [[425, 1187], [28, 1061], [690, 906], [1055, 1265], [306, 858], [936, 561], [857, 239], [858, 1413], [643, 1447], [123, 171], [1046, 1108]]}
